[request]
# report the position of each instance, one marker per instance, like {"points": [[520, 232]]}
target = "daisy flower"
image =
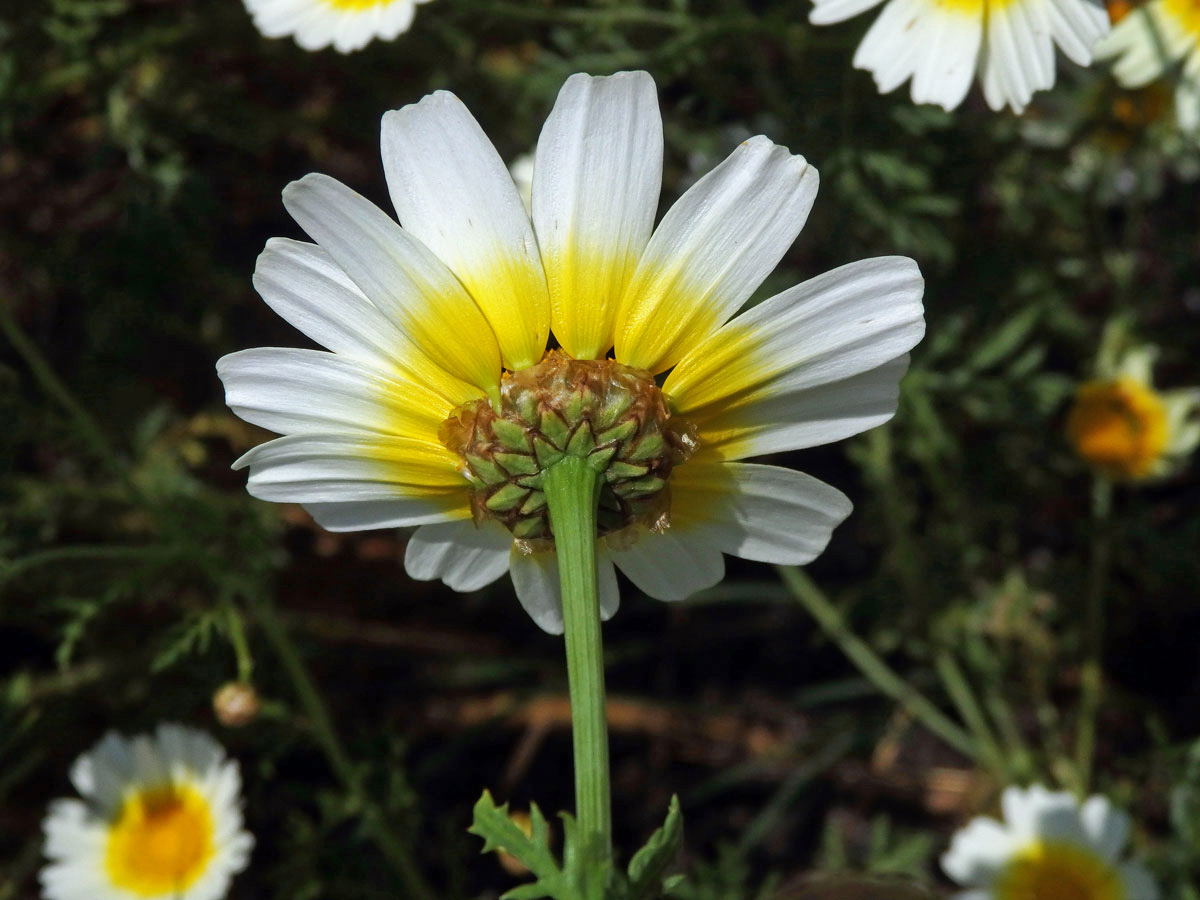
{"points": [[1150, 40], [160, 818], [347, 25], [1126, 429], [442, 403], [941, 44], [1049, 847]]}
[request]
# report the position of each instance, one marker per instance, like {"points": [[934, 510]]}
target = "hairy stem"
{"points": [[572, 492]]}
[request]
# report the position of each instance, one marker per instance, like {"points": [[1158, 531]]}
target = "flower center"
{"points": [[1119, 426], [160, 842], [612, 415], [1054, 870]]}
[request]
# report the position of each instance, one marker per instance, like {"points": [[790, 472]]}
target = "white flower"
{"points": [[1153, 38], [941, 44], [160, 818], [347, 25], [440, 405], [1049, 847]]}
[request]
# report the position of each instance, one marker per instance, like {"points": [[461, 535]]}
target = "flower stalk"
{"points": [[572, 493]]}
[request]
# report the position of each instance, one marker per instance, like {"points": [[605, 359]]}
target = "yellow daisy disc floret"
{"points": [[1118, 426], [161, 841], [476, 342], [1124, 427], [160, 818], [1058, 870]]}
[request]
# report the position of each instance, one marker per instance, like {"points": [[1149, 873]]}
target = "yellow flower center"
{"points": [[1118, 426], [1055, 870], [357, 5], [160, 842], [973, 8], [1186, 14]]}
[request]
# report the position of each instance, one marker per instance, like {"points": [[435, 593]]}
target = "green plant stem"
{"points": [[1090, 674], [397, 852], [241, 647], [58, 391], [872, 666], [572, 492], [969, 710]]}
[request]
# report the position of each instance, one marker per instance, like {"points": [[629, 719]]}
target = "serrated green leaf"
{"points": [[660, 851], [500, 832]]}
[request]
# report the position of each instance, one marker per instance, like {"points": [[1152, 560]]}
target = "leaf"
{"points": [[660, 851], [1004, 341], [500, 832]]}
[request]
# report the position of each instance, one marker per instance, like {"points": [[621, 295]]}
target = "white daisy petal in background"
{"points": [[1154, 39], [1049, 846], [442, 404], [346, 25], [160, 818], [942, 44]]}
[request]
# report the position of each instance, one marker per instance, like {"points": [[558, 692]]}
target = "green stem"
{"points": [[57, 390], [397, 853], [969, 710], [872, 666], [241, 647], [572, 492], [1090, 674]]}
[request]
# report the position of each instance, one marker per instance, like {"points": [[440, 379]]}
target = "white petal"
{"points": [[978, 851], [671, 565], [765, 513], [536, 580], [840, 324], [1187, 97], [463, 555], [826, 12], [1133, 40], [365, 515], [809, 418], [303, 284], [292, 391], [1039, 813], [711, 251], [595, 193], [316, 25], [453, 192], [400, 276], [946, 65], [1107, 827], [1078, 26], [103, 773], [324, 468]]}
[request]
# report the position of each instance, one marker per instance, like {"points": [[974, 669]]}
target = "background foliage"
{"points": [[143, 146]]}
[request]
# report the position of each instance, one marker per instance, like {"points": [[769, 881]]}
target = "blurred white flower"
{"points": [[1049, 847], [940, 44], [347, 25], [1152, 39], [160, 819]]}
